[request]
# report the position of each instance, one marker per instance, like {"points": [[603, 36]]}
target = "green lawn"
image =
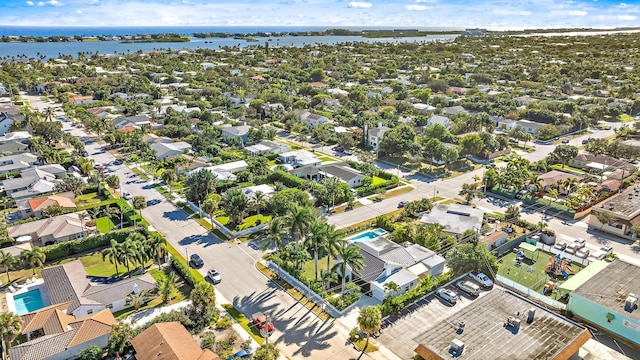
{"points": [[104, 224], [377, 180], [247, 223], [88, 199], [308, 267], [325, 158], [95, 266], [625, 118], [531, 273]]}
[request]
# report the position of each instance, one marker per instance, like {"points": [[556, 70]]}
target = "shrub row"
{"points": [[15, 174], [184, 271], [67, 248], [393, 305], [388, 184], [286, 179]]}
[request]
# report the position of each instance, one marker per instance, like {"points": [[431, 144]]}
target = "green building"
{"points": [[609, 300]]}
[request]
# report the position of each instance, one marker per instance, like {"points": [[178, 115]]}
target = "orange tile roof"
{"points": [[126, 129], [51, 319], [169, 341], [91, 327]]}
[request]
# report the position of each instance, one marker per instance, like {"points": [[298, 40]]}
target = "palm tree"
{"points": [[391, 287], [35, 258], [137, 299], [334, 241], [115, 255], [48, 113], [167, 285], [131, 251], [210, 205], [169, 176], [369, 321], [139, 203], [235, 204], [470, 191], [350, 259], [113, 181], [553, 193], [259, 200], [327, 277], [8, 261], [111, 212], [316, 240], [158, 246], [10, 327], [298, 220]]}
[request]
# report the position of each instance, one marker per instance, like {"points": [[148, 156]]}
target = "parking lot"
{"points": [[398, 335]]}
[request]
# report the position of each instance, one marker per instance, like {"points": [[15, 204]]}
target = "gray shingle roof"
{"points": [[373, 266], [343, 172], [107, 294]]}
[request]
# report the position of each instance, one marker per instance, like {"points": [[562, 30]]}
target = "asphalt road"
{"points": [[299, 333]]}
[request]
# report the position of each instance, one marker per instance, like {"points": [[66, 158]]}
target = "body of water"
{"points": [[54, 50]]}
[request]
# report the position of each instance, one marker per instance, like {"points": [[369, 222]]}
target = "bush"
{"points": [[272, 157], [354, 334], [370, 189], [224, 323], [286, 179], [15, 174], [67, 248], [184, 271]]}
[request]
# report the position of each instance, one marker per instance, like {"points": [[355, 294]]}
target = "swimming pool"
{"points": [[368, 235], [28, 302]]}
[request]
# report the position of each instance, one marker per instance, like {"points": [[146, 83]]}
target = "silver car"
{"points": [[214, 276], [447, 295]]}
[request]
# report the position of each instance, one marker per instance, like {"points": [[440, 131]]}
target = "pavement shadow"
{"points": [[204, 239], [153, 202], [176, 215]]}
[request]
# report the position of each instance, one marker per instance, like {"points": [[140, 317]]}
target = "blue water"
{"points": [[28, 302], [367, 235]]}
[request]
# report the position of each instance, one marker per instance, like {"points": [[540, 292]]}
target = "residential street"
{"points": [[298, 332]]}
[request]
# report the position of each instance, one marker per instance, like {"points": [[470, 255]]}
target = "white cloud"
{"points": [[512, 12], [426, 1], [626, 17], [569, 13], [360, 4], [29, 3], [50, 2], [416, 7], [40, 3]]}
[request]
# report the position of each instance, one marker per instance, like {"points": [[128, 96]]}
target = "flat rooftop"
{"points": [[611, 286], [626, 204], [486, 337]]}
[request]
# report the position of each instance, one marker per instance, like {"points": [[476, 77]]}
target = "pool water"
{"points": [[28, 302], [368, 235]]}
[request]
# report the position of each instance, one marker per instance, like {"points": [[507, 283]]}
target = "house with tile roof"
{"points": [[79, 100], [50, 230], [70, 283], [169, 341], [53, 334], [35, 207], [17, 162]]}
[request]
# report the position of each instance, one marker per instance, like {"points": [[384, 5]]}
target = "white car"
{"points": [[447, 295], [127, 196], [214, 276], [482, 279]]}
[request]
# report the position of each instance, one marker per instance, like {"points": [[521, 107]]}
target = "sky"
{"points": [[492, 14]]}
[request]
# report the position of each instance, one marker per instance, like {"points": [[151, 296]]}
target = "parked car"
{"points": [[598, 255], [580, 241], [214, 276], [607, 249], [196, 261], [401, 204], [468, 287], [447, 295], [560, 245], [242, 354], [314, 141], [482, 279], [565, 141], [338, 149], [521, 193], [348, 151], [260, 321], [583, 253], [127, 196], [118, 162], [508, 229], [572, 248]]}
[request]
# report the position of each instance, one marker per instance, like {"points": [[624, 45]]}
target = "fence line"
{"points": [[530, 292]]}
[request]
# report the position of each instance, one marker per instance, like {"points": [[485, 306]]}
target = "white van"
{"points": [[468, 287]]}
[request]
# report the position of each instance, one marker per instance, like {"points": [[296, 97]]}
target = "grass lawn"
{"points": [[326, 159], [308, 267], [104, 224], [396, 192], [247, 223], [531, 273], [625, 118], [377, 180], [88, 199], [95, 266], [244, 322]]}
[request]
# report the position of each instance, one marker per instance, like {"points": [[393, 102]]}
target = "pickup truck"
{"points": [[260, 321], [482, 279]]}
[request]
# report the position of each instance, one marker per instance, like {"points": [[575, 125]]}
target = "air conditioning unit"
{"points": [[631, 302], [457, 346], [513, 323]]}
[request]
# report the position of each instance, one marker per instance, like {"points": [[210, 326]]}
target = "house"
{"points": [[266, 147], [312, 173], [458, 90], [50, 230], [53, 334], [250, 191], [80, 100], [601, 162], [501, 325], [623, 210], [7, 120], [424, 108], [375, 135], [34, 181], [225, 171], [170, 341], [494, 240], [453, 110], [505, 124], [12, 147], [386, 261], [36, 207], [555, 177], [318, 85], [136, 122], [241, 132], [609, 299], [166, 151], [69, 283], [16, 136], [456, 219], [313, 120], [17, 162], [529, 126], [345, 173], [153, 139], [99, 112], [437, 119], [299, 158]]}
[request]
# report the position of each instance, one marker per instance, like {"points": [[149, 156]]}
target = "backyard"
{"points": [[104, 224], [248, 222], [532, 271], [85, 200]]}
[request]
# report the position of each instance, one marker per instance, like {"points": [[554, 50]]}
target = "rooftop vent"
{"points": [[631, 303], [457, 347], [531, 315]]}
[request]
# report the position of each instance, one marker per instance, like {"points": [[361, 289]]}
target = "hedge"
{"points": [[368, 190], [286, 179], [64, 249], [15, 174]]}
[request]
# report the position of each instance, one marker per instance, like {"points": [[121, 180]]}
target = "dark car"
{"points": [[196, 261], [84, 153], [401, 204], [118, 161], [565, 141], [338, 149]]}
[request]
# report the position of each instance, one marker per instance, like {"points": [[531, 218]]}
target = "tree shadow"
{"points": [[176, 215], [203, 239]]}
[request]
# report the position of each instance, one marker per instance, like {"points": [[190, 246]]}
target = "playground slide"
{"points": [[569, 269], [564, 273], [547, 267]]}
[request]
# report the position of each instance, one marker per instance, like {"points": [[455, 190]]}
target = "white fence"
{"points": [[530, 293]]}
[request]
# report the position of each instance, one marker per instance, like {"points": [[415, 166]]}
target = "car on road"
{"points": [[259, 320], [127, 196], [214, 276], [118, 162], [565, 141], [482, 279], [447, 295], [338, 149], [84, 153], [314, 141], [586, 141], [608, 127], [196, 261], [348, 151], [242, 354], [560, 245], [401, 204]]}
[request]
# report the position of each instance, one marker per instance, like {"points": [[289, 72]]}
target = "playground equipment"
{"points": [[558, 267], [548, 288], [520, 258]]}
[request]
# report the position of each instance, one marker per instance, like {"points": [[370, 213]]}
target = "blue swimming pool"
{"points": [[28, 302], [368, 235]]}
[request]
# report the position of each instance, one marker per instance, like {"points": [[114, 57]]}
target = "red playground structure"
{"points": [[558, 267]]}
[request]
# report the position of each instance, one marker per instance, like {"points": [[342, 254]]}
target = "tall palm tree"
{"points": [[35, 258], [115, 254], [167, 285], [10, 327], [169, 176], [316, 240], [8, 261], [210, 205], [137, 299], [158, 246], [139, 203], [299, 219], [369, 321], [470, 191], [350, 259], [334, 241], [48, 114], [259, 200]]}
